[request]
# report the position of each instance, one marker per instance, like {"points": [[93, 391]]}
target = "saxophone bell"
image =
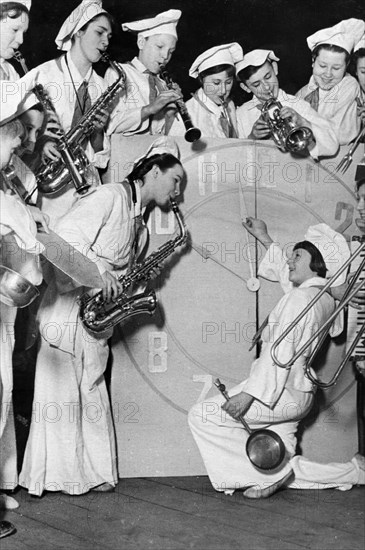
{"points": [[98, 317]]}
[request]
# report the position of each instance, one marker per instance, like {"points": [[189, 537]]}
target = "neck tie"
{"points": [[82, 105], [156, 86], [313, 99], [226, 122], [3, 73]]}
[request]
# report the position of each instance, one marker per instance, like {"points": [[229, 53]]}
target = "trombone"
{"points": [[346, 299]]}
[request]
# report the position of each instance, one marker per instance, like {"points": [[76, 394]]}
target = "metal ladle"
{"points": [[265, 448]]}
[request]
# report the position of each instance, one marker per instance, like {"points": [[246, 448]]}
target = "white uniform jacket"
{"points": [[338, 106], [267, 384], [324, 134], [101, 225], [7, 71], [206, 115], [60, 81]]}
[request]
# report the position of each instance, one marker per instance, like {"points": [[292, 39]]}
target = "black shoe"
{"points": [[6, 528]]}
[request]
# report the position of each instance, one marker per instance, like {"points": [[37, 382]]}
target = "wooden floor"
{"points": [[186, 513]]}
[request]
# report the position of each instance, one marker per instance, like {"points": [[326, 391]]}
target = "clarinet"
{"points": [[192, 134]]}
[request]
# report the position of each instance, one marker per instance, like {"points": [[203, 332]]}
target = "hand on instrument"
{"points": [[50, 151], [260, 130], [238, 404], [296, 118], [164, 98], [111, 286], [100, 120], [258, 229], [39, 217]]}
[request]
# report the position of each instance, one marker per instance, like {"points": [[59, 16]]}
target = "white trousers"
{"points": [[71, 445], [222, 441], [8, 457]]}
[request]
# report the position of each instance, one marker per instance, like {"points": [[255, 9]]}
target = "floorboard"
{"points": [[186, 513]]}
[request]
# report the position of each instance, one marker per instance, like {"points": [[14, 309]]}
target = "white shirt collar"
{"points": [[313, 281], [137, 64], [75, 75]]}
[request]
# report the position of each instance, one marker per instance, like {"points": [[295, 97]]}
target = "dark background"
{"points": [[280, 25]]}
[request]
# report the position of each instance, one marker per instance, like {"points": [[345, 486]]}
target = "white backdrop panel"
{"points": [[206, 316]]}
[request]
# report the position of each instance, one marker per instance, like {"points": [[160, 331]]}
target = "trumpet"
{"points": [[286, 135], [323, 330], [192, 134]]}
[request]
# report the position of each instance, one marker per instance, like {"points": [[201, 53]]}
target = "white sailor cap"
{"points": [[345, 35], [256, 58], [85, 12], [163, 23], [360, 44], [162, 145], [226, 54], [16, 98], [25, 3], [332, 246]]}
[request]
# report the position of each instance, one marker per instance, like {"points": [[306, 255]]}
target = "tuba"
{"points": [[74, 164], [286, 135], [98, 317], [192, 134]]}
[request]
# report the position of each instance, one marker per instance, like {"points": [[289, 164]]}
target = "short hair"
{"points": [[247, 72], [230, 69], [317, 263], [105, 14], [358, 184], [359, 54], [12, 129], [330, 48], [12, 10], [164, 161]]}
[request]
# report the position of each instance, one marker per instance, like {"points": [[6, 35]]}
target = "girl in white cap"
{"points": [[211, 109], [331, 91], [14, 22], [19, 251], [274, 397], [147, 105], [258, 74], [77, 453], [73, 86]]}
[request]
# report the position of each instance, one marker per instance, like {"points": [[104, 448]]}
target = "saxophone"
{"points": [[73, 164], [98, 317]]}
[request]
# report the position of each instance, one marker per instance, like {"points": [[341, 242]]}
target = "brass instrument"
{"points": [[73, 165], [351, 291], [98, 317], [192, 134], [15, 290], [286, 135], [347, 159]]}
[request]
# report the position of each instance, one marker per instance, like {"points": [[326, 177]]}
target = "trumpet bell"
{"points": [[16, 290], [298, 139]]}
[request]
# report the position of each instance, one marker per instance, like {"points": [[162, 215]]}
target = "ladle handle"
{"points": [[222, 389]]}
